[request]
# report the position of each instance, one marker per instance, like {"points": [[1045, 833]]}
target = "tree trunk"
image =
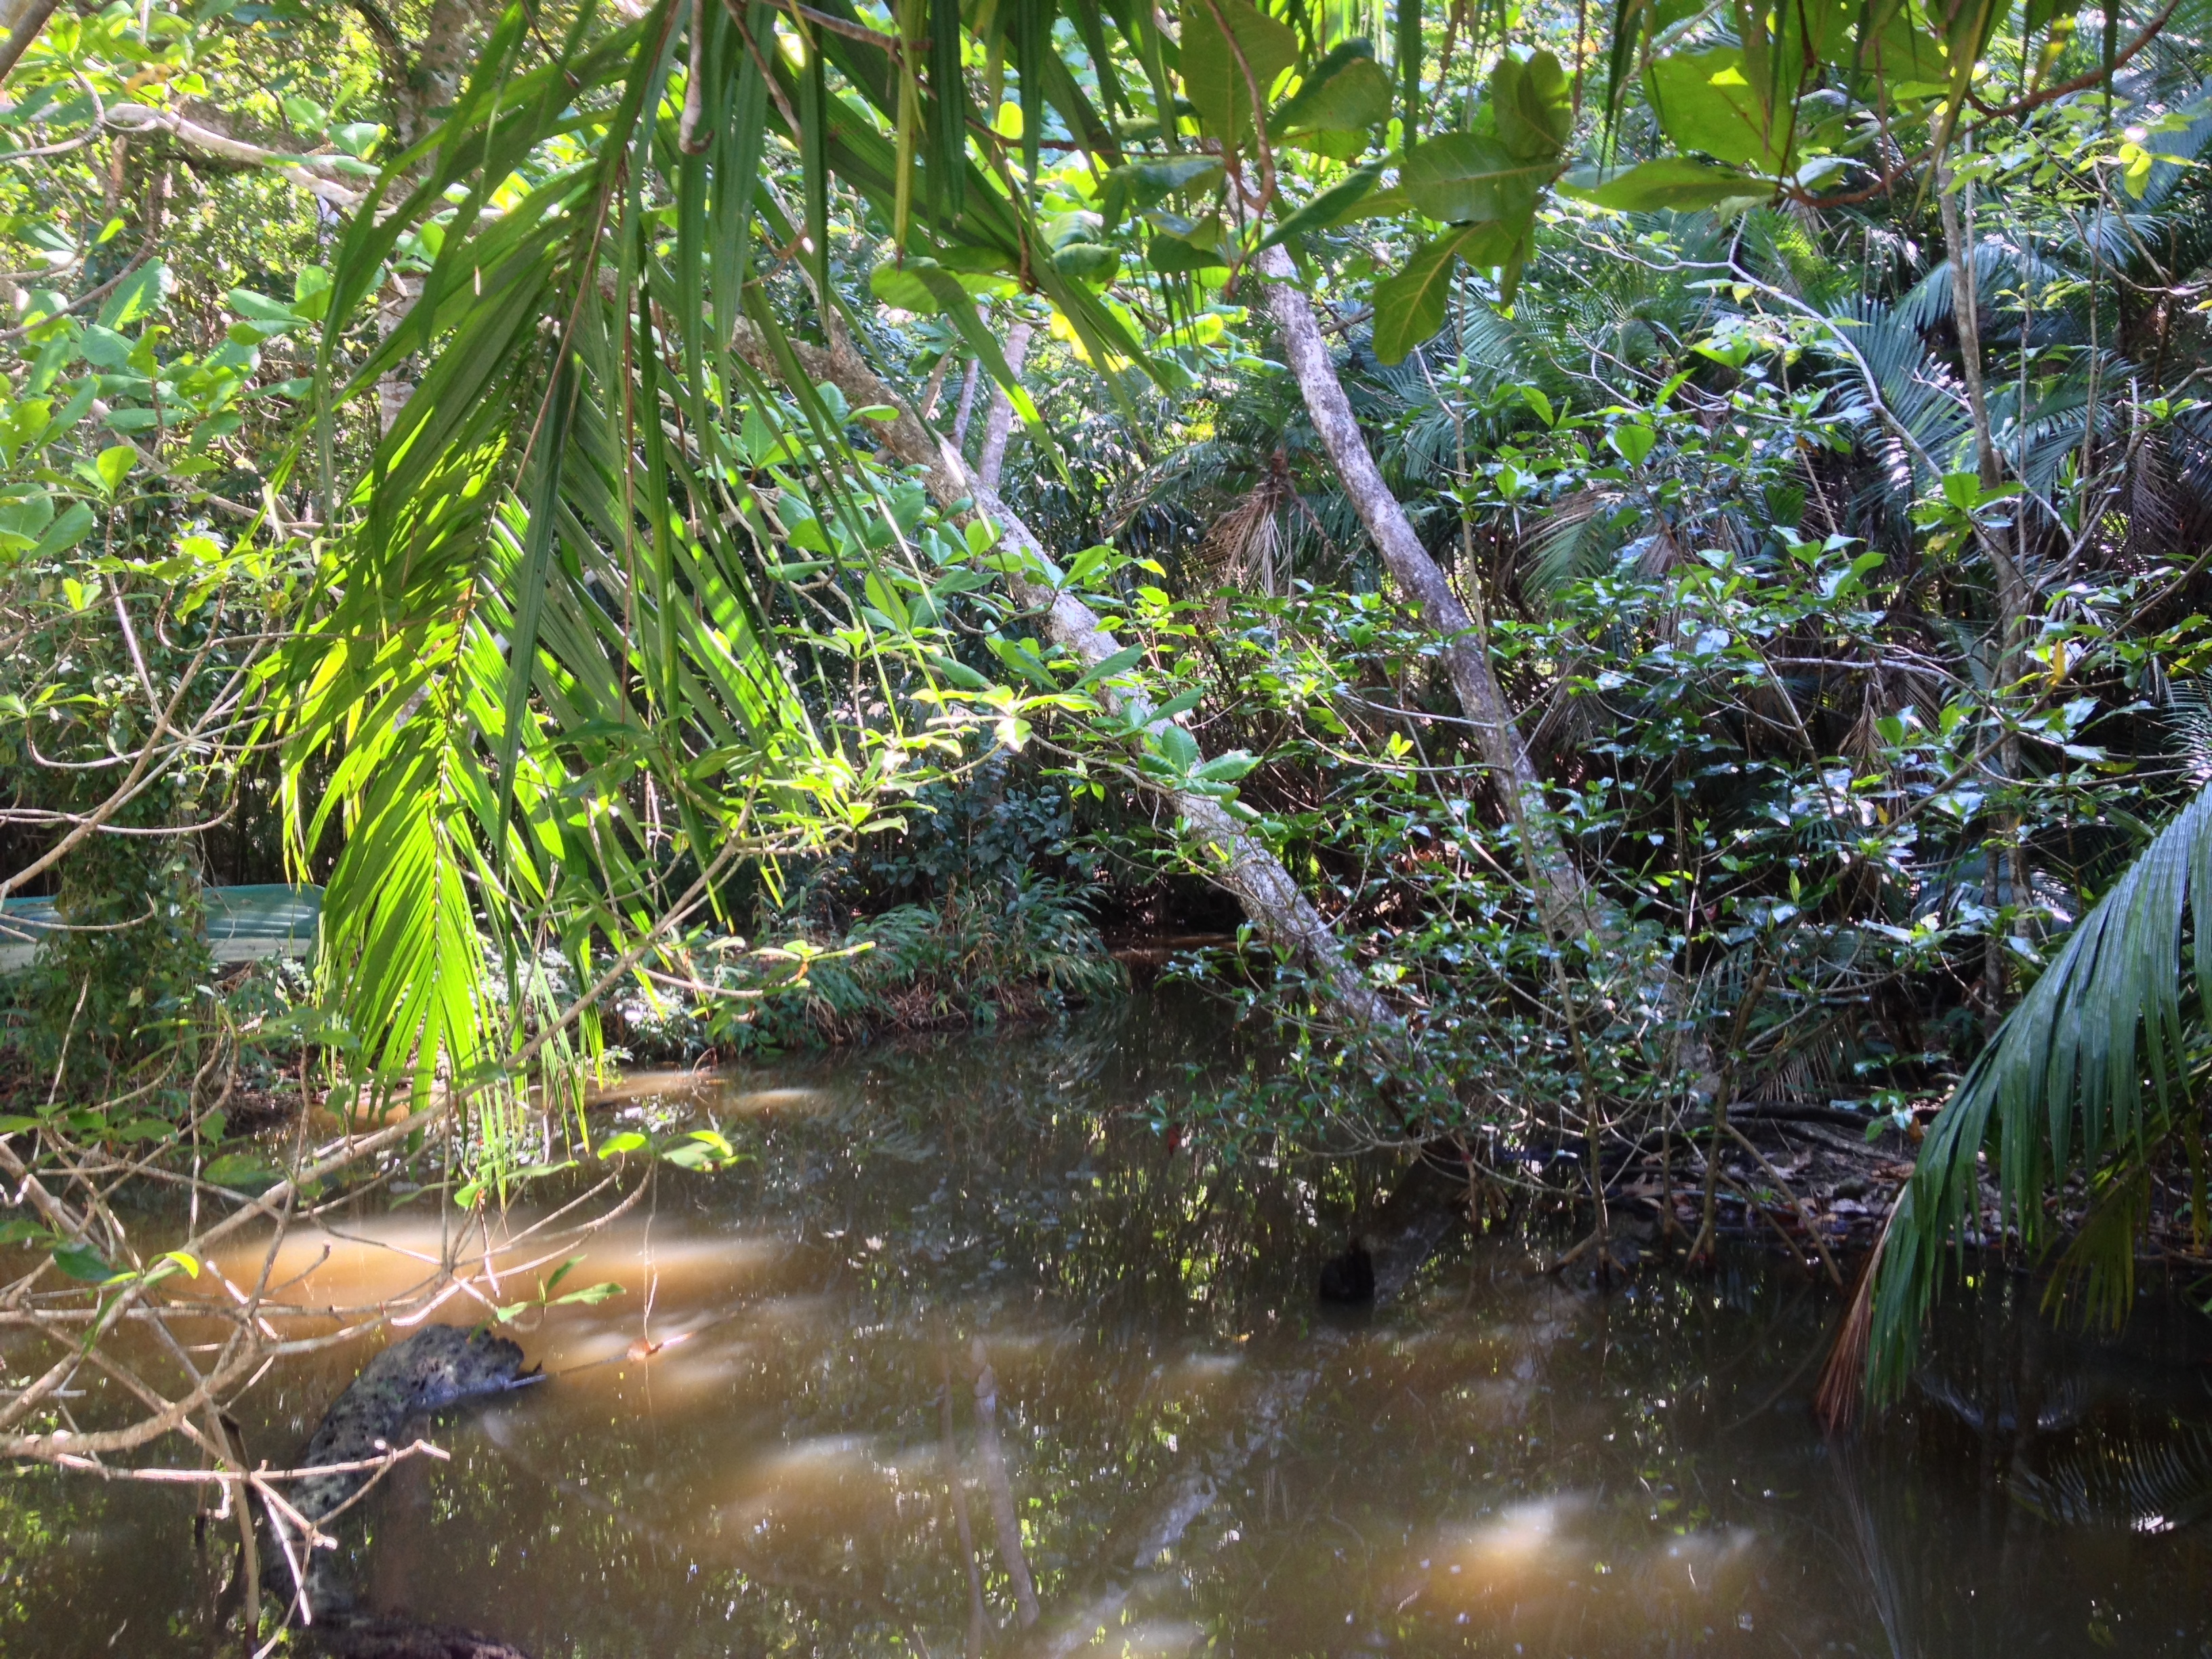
{"points": [[2012, 599], [421, 86], [998, 424], [992, 1454], [1559, 885], [22, 20], [1270, 895], [967, 403], [442, 60]]}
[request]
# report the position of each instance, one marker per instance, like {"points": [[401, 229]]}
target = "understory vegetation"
{"points": [[1602, 577]]}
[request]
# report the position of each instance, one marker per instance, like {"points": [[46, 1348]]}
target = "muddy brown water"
{"points": [[1498, 1463]]}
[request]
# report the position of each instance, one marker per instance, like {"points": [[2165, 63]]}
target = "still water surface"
{"points": [[1180, 1450]]}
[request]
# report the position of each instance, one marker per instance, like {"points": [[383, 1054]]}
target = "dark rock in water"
{"points": [[438, 1366], [1349, 1279]]}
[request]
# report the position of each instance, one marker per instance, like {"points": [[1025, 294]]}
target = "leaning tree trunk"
{"points": [[1560, 887], [20, 21], [1240, 863], [998, 422]]}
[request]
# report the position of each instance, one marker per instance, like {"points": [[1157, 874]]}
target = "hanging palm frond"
{"points": [[560, 627], [2084, 1071]]}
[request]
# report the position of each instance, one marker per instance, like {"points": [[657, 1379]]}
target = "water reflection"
{"points": [[774, 1442]]}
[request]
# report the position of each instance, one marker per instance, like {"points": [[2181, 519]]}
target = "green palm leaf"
{"points": [[2083, 1072]]}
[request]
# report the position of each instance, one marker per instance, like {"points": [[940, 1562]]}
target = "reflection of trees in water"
{"points": [[2146, 1482], [1975, 1516], [783, 1482], [1020, 1164], [938, 1190]]}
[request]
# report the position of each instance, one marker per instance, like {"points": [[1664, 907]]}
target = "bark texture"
{"points": [[1560, 889], [1271, 897], [22, 22], [999, 424]]}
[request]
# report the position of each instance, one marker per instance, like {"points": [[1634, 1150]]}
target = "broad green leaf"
{"points": [[1213, 79], [1172, 255], [903, 286], [627, 1141], [83, 1263], [1122, 660], [1139, 185], [1326, 209], [242, 1172], [1348, 92], [590, 1296], [267, 314], [1632, 443], [1532, 101], [1681, 182], [1409, 307], [104, 347], [311, 291], [75, 524], [1706, 103], [1899, 59], [958, 672], [136, 298], [1177, 747], [357, 138], [114, 465], [1383, 205], [1225, 768], [1088, 262], [977, 261], [1463, 178]]}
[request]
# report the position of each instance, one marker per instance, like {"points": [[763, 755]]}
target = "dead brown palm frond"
{"points": [[1842, 1391], [1244, 547], [1572, 536], [2154, 512], [1863, 742]]}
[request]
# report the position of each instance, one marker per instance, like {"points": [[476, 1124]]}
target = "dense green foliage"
{"points": [[536, 473]]}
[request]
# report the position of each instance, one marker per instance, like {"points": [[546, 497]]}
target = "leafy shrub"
{"points": [[978, 955]]}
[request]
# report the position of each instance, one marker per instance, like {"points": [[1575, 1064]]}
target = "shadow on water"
{"points": [[777, 1440]]}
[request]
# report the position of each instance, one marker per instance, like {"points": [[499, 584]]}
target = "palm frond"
{"points": [[2084, 1070], [552, 632]]}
